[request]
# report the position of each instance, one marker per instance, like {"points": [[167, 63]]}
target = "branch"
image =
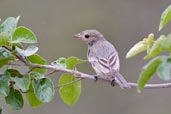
{"points": [[81, 75]]}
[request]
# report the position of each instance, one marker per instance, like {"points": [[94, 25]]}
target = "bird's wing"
{"points": [[110, 63]]}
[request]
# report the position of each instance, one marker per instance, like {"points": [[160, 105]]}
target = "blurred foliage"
{"points": [[33, 83], [158, 64]]}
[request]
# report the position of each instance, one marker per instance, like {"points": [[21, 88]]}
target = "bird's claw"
{"points": [[96, 77], [113, 82]]}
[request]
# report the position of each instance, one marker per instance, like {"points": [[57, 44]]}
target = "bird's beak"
{"points": [[78, 36]]}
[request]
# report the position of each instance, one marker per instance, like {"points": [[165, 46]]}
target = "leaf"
{"points": [[61, 62], [156, 48], [28, 52], [72, 61], [4, 39], [24, 35], [0, 110], [150, 41], [166, 43], [14, 73], [44, 89], [17, 45], [32, 99], [15, 99], [70, 93], [141, 46], [9, 25], [148, 71], [136, 49], [36, 75], [165, 17], [23, 83], [36, 59], [164, 69], [5, 56], [4, 84]]}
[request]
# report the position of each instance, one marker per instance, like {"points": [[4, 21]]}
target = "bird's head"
{"points": [[89, 36]]}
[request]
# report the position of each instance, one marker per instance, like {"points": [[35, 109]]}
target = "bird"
{"points": [[103, 57]]}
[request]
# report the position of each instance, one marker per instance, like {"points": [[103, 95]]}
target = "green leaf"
{"points": [[70, 93], [24, 35], [156, 48], [164, 69], [141, 46], [0, 110], [61, 62], [28, 52], [32, 99], [148, 71], [136, 49], [14, 73], [36, 59], [17, 45], [165, 17], [9, 25], [36, 75], [150, 41], [23, 83], [44, 89], [5, 56], [4, 84], [15, 99], [4, 39], [166, 43], [72, 61]]}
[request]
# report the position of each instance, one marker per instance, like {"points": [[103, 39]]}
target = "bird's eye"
{"points": [[87, 36]]}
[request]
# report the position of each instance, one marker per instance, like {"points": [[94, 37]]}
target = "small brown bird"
{"points": [[103, 57]]}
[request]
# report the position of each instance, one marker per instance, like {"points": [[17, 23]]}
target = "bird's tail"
{"points": [[119, 79]]}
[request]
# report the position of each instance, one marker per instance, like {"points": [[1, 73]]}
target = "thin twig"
{"points": [[78, 74], [152, 86], [81, 75], [15, 64], [64, 70], [68, 83], [50, 73]]}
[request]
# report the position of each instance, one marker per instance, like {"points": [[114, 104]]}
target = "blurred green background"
{"points": [[123, 22]]}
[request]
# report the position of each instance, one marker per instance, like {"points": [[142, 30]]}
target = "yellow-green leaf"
{"points": [[150, 41], [70, 93], [37, 59], [148, 71], [32, 100], [165, 17], [156, 48], [72, 61], [136, 49], [4, 39]]}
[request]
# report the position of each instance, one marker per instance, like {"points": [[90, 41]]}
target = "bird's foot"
{"points": [[113, 82], [95, 77]]}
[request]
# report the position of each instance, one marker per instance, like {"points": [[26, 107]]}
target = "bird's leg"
{"points": [[96, 77], [113, 82]]}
